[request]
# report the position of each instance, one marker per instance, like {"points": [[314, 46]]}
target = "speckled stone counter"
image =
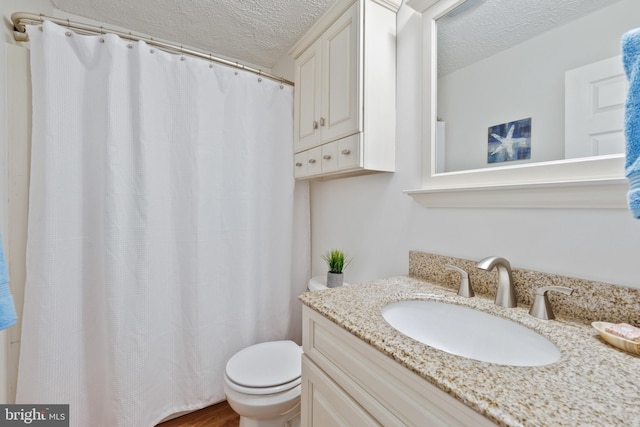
{"points": [[593, 384]]}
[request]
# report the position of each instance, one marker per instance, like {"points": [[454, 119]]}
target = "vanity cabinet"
{"points": [[347, 382], [344, 103]]}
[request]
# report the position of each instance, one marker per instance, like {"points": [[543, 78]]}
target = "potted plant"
{"points": [[337, 261]]}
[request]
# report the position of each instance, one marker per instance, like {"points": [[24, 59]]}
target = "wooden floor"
{"points": [[220, 415]]}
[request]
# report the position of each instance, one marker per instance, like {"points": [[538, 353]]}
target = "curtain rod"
{"points": [[21, 19]]}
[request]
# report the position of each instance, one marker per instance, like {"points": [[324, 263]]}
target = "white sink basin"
{"points": [[470, 333]]}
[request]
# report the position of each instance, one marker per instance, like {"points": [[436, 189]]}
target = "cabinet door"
{"points": [[330, 157], [348, 152], [308, 98], [300, 165], [340, 75], [325, 404], [314, 161]]}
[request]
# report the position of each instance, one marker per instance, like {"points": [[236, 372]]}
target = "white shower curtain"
{"points": [[161, 229]]}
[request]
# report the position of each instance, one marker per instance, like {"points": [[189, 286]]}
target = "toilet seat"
{"points": [[262, 390], [265, 368]]}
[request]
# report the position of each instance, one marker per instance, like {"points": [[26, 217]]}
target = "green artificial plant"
{"points": [[336, 260]]}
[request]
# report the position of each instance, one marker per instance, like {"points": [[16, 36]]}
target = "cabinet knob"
{"points": [[346, 152], [321, 121], [298, 164], [315, 124], [312, 160], [327, 156]]}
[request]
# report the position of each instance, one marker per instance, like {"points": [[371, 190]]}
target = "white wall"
{"points": [[512, 82], [370, 217], [285, 67]]}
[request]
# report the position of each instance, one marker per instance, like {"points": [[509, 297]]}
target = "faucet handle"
{"points": [[541, 307], [465, 289]]}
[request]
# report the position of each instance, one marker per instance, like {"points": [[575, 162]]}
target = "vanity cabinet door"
{"points": [[326, 404]]}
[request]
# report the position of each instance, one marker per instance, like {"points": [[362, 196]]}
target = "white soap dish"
{"points": [[616, 341]]}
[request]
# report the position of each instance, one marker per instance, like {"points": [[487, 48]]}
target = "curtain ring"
{"points": [[101, 35], [182, 58], [211, 61], [152, 50], [237, 66], [129, 45], [281, 82], [68, 32], [259, 74], [41, 22]]}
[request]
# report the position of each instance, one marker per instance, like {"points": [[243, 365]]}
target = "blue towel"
{"points": [[7, 309], [631, 62]]}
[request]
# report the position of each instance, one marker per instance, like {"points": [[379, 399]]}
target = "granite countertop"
{"points": [[592, 384]]}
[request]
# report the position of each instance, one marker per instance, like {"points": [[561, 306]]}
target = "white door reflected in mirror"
{"points": [[594, 109]]}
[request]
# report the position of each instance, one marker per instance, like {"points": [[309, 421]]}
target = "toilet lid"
{"points": [[265, 365], [317, 283]]}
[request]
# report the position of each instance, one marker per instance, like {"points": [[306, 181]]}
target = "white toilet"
{"points": [[262, 382]]}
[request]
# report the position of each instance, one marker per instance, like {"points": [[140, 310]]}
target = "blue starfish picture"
{"points": [[509, 141]]}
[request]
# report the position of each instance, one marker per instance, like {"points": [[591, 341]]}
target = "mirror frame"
{"points": [[590, 182]]}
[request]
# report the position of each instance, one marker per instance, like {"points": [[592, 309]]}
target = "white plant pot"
{"points": [[334, 279]]}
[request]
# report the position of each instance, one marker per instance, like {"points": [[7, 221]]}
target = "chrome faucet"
{"points": [[506, 294]]}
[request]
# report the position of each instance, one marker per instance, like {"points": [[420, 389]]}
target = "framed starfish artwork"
{"points": [[509, 141]]}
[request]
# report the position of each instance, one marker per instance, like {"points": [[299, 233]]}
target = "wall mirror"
{"points": [[523, 102]]}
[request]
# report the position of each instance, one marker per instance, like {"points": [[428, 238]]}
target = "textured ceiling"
{"points": [[260, 32], [482, 28], [257, 32]]}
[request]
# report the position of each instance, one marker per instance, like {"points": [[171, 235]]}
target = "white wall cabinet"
{"points": [[345, 91], [327, 78], [347, 382]]}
